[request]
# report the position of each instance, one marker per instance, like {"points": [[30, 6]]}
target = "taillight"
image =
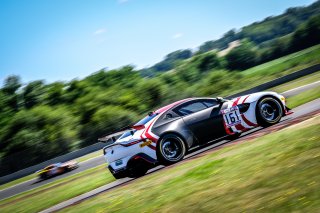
{"points": [[131, 142]]}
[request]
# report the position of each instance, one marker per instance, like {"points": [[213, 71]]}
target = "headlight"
{"points": [[243, 107]]}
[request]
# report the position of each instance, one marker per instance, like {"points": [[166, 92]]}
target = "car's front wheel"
{"points": [[235, 136], [171, 149], [269, 111]]}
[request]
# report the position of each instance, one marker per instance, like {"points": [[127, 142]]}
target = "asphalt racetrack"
{"points": [[34, 183]]}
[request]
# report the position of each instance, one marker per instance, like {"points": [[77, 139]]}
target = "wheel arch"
{"points": [[184, 139], [272, 96]]}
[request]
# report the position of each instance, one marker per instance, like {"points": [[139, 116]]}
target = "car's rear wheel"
{"points": [[269, 111], [43, 176], [137, 168], [171, 149]]}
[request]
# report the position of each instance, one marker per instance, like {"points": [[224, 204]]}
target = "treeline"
{"points": [[39, 121], [265, 35], [248, 55], [270, 28]]}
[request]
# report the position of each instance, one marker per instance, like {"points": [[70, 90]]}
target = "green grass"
{"points": [[232, 83], [301, 59], [304, 97], [278, 172], [89, 156], [53, 193], [17, 181], [308, 79]]}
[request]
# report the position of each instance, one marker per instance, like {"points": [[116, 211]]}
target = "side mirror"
{"points": [[220, 100]]}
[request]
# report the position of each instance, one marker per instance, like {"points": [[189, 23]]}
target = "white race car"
{"points": [[165, 135]]}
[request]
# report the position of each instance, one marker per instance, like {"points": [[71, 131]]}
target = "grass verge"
{"points": [[89, 156], [308, 79], [241, 81], [18, 181], [303, 97], [278, 172], [53, 193], [287, 64]]}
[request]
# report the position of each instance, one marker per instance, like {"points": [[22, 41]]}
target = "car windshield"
{"points": [[141, 122], [146, 119]]}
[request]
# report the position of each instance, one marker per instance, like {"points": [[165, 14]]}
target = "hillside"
{"points": [[262, 34]]}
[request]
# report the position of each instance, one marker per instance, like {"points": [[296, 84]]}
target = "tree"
{"points": [[179, 54], [38, 134], [33, 94], [105, 121], [241, 57], [207, 61], [150, 93], [307, 34], [55, 93], [11, 84]]}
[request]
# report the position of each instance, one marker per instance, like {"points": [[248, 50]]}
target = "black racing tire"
{"points": [[117, 176], [44, 176], [137, 168], [138, 172], [171, 149], [268, 111]]}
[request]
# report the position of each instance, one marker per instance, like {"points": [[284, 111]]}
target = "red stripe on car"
{"points": [[240, 127], [249, 123], [226, 128], [245, 99], [236, 101]]}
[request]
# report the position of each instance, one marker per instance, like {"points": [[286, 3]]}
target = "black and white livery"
{"points": [[166, 135]]}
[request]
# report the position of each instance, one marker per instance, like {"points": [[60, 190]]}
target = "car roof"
{"points": [[169, 106]]}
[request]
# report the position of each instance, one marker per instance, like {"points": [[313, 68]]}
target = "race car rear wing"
{"points": [[112, 137]]}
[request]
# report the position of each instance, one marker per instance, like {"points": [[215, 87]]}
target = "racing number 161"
{"points": [[232, 117]]}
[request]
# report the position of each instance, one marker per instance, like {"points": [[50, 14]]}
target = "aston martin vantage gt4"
{"points": [[165, 135]]}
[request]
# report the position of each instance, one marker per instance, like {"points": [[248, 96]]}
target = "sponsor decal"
{"points": [[146, 143]]}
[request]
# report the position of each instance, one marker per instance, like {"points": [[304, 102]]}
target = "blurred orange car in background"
{"points": [[57, 169]]}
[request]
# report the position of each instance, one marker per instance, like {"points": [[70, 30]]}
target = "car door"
{"points": [[204, 119]]}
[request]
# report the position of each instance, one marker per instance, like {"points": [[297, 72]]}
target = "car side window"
{"points": [[210, 102], [190, 108]]}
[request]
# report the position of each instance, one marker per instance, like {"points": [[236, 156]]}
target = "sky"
{"points": [[60, 40]]}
